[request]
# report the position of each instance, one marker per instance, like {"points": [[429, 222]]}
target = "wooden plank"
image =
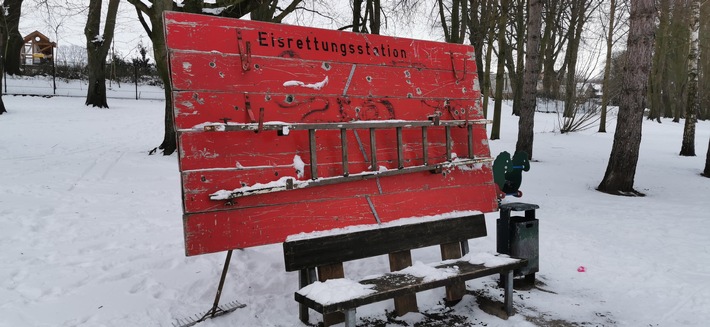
{"points": [[455, 184], [391, 285], [329, 272], [213, 34], [405, 303], [223, 230], [208, 150], [209, 71], [192, 108], [300, 254], [455, 291]]}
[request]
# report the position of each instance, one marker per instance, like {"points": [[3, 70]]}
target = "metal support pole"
{"points": [[215, 306], [350, 318], [312, 149], [344, 148], [373, 150], [425, 146], [509, 293], [447, 130]]}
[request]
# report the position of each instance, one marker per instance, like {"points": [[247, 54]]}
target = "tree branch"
{"points": [[291, 7], [143, 23]]}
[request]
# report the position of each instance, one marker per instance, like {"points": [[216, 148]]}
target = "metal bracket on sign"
{"points": [[453, 67], [252, 118], [244, 51], [435, 118]]}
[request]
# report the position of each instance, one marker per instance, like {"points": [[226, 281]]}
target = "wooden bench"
{"points": [[326, 254]]}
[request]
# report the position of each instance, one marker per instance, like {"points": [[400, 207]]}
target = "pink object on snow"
{"points": [[581, 269]]}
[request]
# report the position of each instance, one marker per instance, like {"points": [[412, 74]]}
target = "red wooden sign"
{"points": [[285, 129]]}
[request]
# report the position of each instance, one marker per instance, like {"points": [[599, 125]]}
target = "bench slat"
{"points": [[301, 254], [392, 285]]}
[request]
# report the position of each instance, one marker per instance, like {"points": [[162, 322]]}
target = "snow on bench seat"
{"points": [[343, 294]]}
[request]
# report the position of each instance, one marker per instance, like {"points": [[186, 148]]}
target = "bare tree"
{"points": [[688, 146], [97, 46], [515, 43], [56, 14], [372, 15], [482, 26], [660, 55], [621, 169], [580, 11], [606, 81], [500, 71], [453, 19], [532, 72], [552, 44], [154, 28]]}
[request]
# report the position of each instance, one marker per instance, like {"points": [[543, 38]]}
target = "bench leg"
{"points": [[305, 278], [508, 293], [405, 303], [350, 318], [328, 272], [455, 291]]}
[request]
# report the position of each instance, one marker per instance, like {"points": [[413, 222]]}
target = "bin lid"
{"points": [[518, 206]]}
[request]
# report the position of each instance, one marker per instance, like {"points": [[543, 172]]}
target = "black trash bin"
{"points": [[518, 236]]}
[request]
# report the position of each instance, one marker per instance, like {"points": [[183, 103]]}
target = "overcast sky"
{"points": [[69, 24]]}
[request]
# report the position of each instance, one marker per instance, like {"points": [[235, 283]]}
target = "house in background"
{"points": [[38, 49]]}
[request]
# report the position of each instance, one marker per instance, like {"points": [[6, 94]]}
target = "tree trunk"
{"points": [[169, 144], [96, 91], [706, 171], [15, 41], [621, 169], [2, 104], [500, 72], [375, 16], [489, 59], [550, 88], [575, 35], [659, 62], [607, 67], [3, 32], [264, 12], [157, 36], [520, 40], [688, 146], [477, 37], [97, 46], [532, 72], [357, 16]]}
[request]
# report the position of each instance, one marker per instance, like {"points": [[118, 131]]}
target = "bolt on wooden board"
{"points": [[286, 129]]}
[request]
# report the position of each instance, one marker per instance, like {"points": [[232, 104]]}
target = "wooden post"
{"points": [[455, 291], [405, 303], [328, 272]]}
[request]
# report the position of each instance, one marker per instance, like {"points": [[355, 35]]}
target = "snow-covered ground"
{"points": [[92, 231], [40, 85]]}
